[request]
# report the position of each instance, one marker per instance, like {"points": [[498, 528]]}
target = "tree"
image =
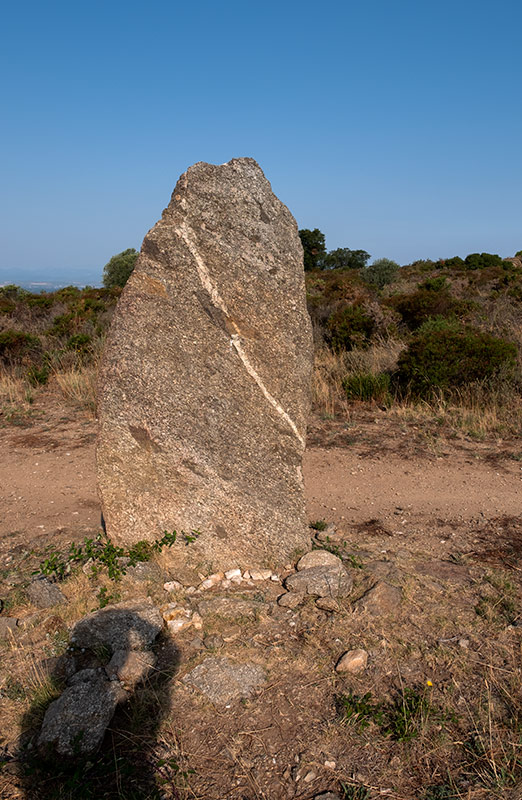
{"points": [[344, 258], [314, 247], [381, 272], [117, 271]]}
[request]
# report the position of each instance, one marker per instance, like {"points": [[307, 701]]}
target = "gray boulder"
{"points": [[322, 581], [204, 386], [75, 724], [223, 681], [44, 594], [130, 625]]}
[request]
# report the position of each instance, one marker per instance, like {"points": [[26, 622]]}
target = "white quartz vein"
{"points": [[184, 232]]}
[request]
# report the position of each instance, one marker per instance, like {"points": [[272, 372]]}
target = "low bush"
{"points": [[349, 327], [431, 300], [446, 354], [16, 346]]}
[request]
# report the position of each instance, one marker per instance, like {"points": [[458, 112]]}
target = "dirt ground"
{"points": [[435, 516]]}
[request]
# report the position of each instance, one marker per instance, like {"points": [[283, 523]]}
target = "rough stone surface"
{"points": [[332, 581], [318, 558], [130, 625], [291, 599], [204, 387], [130, 667], [230, 608], [327, 604], [75, 724], [223, 681], [44, 594], [353, 661], [327, 796], [380, 599], [7, 626]]}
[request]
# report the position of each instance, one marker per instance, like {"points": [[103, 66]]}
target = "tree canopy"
{"points": [[344, 258], [117, 271], [314, 247]]}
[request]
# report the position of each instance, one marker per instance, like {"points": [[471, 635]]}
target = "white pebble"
{"points": [[232, 573]]}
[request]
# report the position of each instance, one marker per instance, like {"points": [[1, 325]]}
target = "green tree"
{"points": [[314, 247], [381, 272], [344, 258], [117, 271]]}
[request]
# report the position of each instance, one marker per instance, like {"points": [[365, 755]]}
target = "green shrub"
{"points": [[426, 303], [16, 346], [349, 327], [382, 272], [118, 270], [366, 386], [446, 354], [79, 342]]}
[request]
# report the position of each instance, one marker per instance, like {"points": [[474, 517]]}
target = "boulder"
{"points": [[204, 385], [318, 558], [74, 725], [383, 598], [325, 581], [44, 594], [223, 681], [130, 625]]}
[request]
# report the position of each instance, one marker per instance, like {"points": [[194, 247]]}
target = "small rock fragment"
{"points": [[232, 573], [173, 586], [44, 594], [7, 626], [327, 604], [327, 796], [223, 681], [260, 574], [353, 661], [464, 643], [212, 580], [309, 777], [380, 599], [330, 764], [291, 599], [318, 558], [213, 641]]}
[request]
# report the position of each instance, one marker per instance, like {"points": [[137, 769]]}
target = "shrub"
{"points": [[15, 346], [118, 270], [430, 301], [349, 327], [382, 272], [446, 354], [79, 342], [367, 386]]}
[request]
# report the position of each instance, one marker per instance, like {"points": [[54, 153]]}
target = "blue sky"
{"points": [[391, 126]]}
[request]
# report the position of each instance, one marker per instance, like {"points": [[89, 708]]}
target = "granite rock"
{"points": [[223, 681], [204, 385], [130, 625], [325, 581]]}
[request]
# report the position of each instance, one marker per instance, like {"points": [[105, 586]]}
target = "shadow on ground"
{"points": [[131, 763]]}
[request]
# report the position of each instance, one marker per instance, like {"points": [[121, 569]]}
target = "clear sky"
{"points": [[395, 127]]}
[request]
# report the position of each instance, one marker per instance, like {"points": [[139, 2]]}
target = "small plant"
{"points": [[105, 597], [360, 710], [102, 553], [367, 386], [440, 791], [352, 792], [319, 525]]}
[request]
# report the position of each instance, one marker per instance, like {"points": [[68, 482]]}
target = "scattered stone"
{"points": [[310, 776], [329, 581], [464, 643], [129, 625], [330, 764], [173, 586], [190, 590], [223, 681], [180, 619], [145, 571], [246, 575], [327, 796], [220, 278], [130, 667], [44, 594], [274, 577], [232, 573], [7, 626], [213, 641], [212, 581], [230, 607], [318, 558], [380, 599], [75, 724], [353, 661], [291, 599], [260, 574], [327, 604], [237, 580], [226, 584]]}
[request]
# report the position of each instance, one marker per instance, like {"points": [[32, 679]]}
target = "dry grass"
{"points": [[14, 390], [77, 385]]}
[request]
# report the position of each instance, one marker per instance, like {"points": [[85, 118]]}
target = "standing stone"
{"points": [[204, 387]]}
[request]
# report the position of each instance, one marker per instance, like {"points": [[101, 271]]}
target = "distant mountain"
{"points": [[49, 286]]}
